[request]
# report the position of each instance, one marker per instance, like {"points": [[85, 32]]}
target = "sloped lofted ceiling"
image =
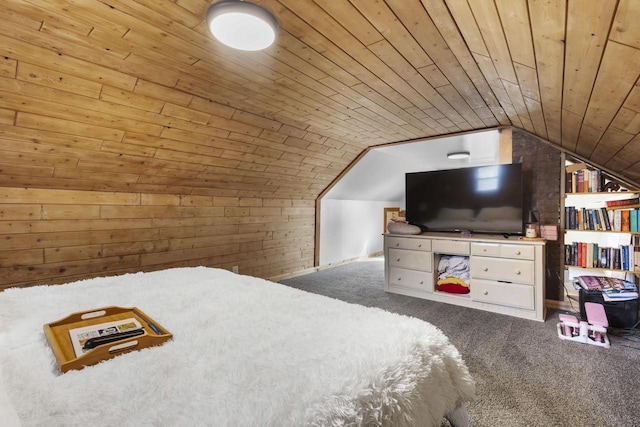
{"points": [[135, 95]]}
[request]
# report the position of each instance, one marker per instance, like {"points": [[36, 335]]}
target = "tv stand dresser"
{"points": [[506, 274]]}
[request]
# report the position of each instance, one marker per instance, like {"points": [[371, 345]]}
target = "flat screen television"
{"points": [[483, 199]]}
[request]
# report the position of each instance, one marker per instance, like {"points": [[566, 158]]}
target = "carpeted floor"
{"points": [[525, 375]]}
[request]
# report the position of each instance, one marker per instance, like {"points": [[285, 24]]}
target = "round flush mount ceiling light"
{"points": [[242, 25], [459, 155]]}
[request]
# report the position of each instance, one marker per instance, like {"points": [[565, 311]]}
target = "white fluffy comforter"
{"points": [[246, 352]]}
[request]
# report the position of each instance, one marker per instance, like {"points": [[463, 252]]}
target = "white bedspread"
{"points": [[246, 352]]}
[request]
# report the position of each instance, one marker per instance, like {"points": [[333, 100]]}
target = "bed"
{"points": [[245, 352]]}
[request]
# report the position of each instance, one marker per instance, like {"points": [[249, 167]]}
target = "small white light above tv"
{"points": [[458, 155]]}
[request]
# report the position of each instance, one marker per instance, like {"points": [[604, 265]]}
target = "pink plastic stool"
{"points": [[596, 316], [591, 331], [569, 331]]}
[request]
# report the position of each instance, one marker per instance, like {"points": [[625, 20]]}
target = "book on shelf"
{"points": [[625, 221], [603, 258], [617, 220], [595, 217], [588, 255], [581, 252], [611, 215], [580, 181], [79, 336], [605, 218], [623, 202]]}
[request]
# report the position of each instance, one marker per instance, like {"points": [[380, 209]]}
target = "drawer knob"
{"points": [[518, 253], [398, 260], [397, 243], [420, 245], [484, 250], [486, 269], [422, 282], [399, 279], [518, 272], [486, 292]]}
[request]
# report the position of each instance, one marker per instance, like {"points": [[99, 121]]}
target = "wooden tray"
{"points": [[57, 334]]}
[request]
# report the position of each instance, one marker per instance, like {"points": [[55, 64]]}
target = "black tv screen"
{"points": [[483, 199]]}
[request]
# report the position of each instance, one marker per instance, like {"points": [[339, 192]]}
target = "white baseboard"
{"points": [[323, 267]]}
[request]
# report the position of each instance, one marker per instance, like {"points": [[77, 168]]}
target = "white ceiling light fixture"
{"points": [[459, 155], [242, 25]]}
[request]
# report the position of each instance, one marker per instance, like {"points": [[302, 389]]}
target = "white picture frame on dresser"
{"points": [[507, 275]]}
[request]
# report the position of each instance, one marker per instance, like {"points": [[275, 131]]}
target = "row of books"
{"points": [[584, 181], [591, 255], [601, 219]]}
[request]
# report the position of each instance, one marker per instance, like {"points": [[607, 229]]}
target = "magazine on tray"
{"points": [[606, 284], [621, 296], [612, 289], [79, 336]]}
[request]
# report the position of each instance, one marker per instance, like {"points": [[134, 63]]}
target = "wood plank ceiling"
{"points": [[135, 95]]}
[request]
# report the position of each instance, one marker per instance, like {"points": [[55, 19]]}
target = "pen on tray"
{"points": [[95, 342], [155, 329]]}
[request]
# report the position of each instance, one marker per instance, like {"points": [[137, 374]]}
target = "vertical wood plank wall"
{"points": [[55, 236]]}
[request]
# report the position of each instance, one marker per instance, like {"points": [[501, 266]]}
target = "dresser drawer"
{"points": [[411, 279], [517, 251], [507, 294], [407, 243], [503, 250], [509, 270], [485, 249], [415, 260], [450, 247]]}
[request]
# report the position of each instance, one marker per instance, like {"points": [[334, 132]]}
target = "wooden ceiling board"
{"points": [[317, 40], [613, 85], [514, 18], [615, 140], [426, 33], [458, 46], [388, 25], [627, 120], [586, 40], [625, 25], [488, 20], [459, 67], [468, 26], [548, 20], [93, 14], [135, 95]]}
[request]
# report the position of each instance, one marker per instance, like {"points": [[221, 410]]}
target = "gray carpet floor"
{"points": [[525, 375]]}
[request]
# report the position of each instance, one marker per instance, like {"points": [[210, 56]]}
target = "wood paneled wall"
{"points": [[52, 236], [130, 139]]}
